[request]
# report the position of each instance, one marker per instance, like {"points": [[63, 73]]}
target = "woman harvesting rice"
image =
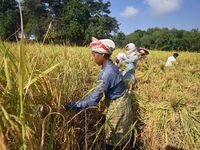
{"points": [[110, 83], [130, 59], [143, 53]]}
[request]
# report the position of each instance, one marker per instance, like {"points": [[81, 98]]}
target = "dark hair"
{"points": [[107, 56], [175, 54]]}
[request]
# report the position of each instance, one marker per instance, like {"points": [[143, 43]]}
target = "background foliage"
{"points": [[166, 39], [76, 21]]}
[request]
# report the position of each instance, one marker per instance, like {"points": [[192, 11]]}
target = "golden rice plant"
{"points": [[168, 99]]}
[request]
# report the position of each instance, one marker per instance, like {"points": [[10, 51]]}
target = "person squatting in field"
{"points": [[171, 60], [130, 59], [110, 84]]}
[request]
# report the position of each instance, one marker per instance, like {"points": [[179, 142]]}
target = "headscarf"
{"points": [[143, 50], [130, 50], [103, 46], [131, 47]]}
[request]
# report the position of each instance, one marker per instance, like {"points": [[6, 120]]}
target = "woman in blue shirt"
{"points": [[111, 85]]}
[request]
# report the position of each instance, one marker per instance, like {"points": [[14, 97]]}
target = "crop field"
{"points": [[36, 80]]}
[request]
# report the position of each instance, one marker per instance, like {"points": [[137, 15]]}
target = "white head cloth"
{"points": [[131, 50], [104, 46]]}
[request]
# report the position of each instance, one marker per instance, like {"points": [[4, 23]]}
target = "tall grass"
{"points": [[21, 74], [168, 98], [51, 80], [54, 74]]}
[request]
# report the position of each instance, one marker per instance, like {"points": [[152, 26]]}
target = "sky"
{"points": [[144, 14]]}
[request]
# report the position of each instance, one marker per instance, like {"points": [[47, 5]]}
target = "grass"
{"points": [[168, 99]]}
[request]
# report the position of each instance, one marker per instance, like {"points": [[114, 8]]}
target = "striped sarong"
{"points": [[119, 118]]}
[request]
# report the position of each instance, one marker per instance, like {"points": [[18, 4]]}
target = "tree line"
{"points": [[163, 39], [73, 20], [76, 21]]}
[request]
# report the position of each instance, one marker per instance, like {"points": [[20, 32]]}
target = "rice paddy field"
{"points": [[36, 80]]}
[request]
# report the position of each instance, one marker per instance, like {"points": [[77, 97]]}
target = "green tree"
{"points": [[87, 18], [73, 20], [146, 41], [56, 13], [165, 39], [101, 27], [194, 40], [76, 19], [135, 37], [119, 39], [36, 18], [9, 18]]}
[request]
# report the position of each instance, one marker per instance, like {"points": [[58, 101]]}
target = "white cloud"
{"points": [[129, 11], [160, 7]]}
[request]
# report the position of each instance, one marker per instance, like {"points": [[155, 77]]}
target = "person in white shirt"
{"points": [[171, 60]]}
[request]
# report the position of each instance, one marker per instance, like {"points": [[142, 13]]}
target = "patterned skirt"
{"points": [[119, 118]]}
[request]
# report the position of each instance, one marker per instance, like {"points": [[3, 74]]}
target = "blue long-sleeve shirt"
{"points": [[110, 82]]}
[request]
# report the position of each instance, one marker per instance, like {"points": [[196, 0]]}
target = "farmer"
{"points": [[130, 62], [111, 85], [143, 53], [171, 60]]}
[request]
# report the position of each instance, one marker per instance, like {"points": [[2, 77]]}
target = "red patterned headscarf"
{"points": [[104, 46]]}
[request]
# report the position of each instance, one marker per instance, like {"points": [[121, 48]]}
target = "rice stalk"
{"points": [[41, 75], [86, 130], [50, 144], [2, 142], [7, 73], [129, 133], [21, 78], [47, 32], [9, 55]]}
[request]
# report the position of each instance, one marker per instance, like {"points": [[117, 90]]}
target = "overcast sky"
{"points": [[144, 14]]}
